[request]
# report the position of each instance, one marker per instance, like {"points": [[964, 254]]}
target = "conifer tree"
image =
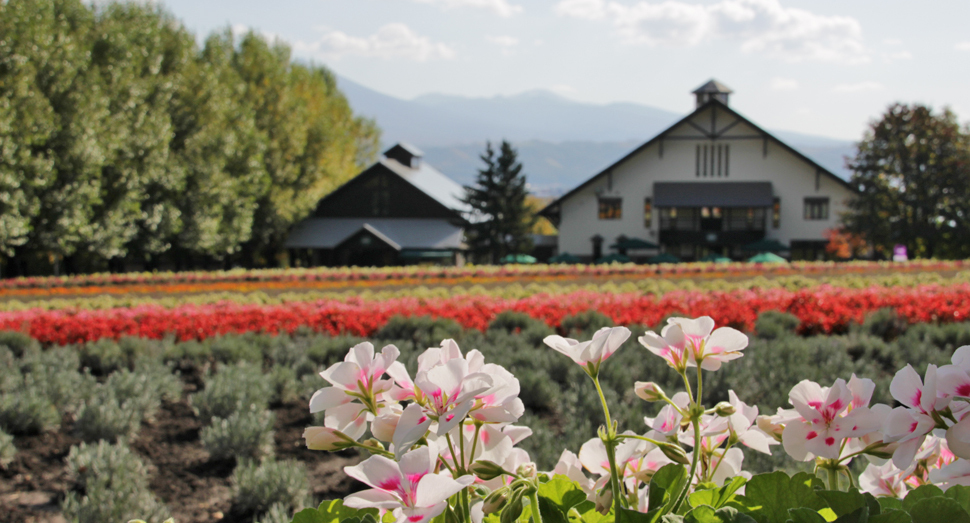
{"points": [[501, 217]]}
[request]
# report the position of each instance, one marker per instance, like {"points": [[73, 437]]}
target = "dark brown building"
{"points": [[398, 211]]}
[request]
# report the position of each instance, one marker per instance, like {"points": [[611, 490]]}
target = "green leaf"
{"points": [[887, 503], [860, 515], [332, 512], [843, 503], [768, 497], [666, 484], [804, 515], [919, 494], [717, 497], [960, 494], [874, 508], [707, 514], [550, 512], [562, 492], [590, 515], [635, 516], [937, 510], [891, 516]]}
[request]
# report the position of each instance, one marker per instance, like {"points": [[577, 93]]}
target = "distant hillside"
{"points": [[561, 142]]}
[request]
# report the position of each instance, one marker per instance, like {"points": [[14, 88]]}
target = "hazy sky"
{"points": [[821, 66]]}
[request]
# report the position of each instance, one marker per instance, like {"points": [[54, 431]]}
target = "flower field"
{"points": [[197, 401], [326, 278], [819, 310]]}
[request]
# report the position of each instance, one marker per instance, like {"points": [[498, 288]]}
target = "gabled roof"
{"points": [[398, 233], [414, 151], [431, 182], [720, 106]]}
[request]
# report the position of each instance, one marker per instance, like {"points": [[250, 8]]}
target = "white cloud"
{"points": [[892, 41], [393, 40], [783, 84], [500, 7], [763, 26], [583, 9], [899, 55], [962, 46], [503, 40], [860, 87]]}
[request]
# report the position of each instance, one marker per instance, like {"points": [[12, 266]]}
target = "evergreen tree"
{"points": [[501, 216]]}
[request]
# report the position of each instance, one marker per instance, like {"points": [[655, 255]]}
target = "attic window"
{"points": [[712, 160], [380, 193]]}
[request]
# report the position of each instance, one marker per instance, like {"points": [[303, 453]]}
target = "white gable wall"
{"points": [[792, 179]]}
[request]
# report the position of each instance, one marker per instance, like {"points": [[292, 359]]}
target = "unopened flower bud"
{"points": [[513, 509], [675, 453], [495, 501], [724, 409], [770, 428], [604, 500], [486, 470], [527, 470], [649, 391]]}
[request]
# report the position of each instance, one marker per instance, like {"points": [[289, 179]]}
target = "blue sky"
{"points": [[822, 67]]}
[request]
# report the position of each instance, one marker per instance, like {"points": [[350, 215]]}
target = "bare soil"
{"points": [[195, 488]]}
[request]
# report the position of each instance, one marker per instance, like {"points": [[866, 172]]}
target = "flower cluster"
{"points": [[822, 309], [444, 441], [913, 444], [445, 429]]}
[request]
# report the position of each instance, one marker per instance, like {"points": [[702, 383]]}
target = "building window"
{"points": [[776, 214], [610, 208], [745, 219], [816, 208], [712, 160], [680, 218], [380, 191], [647, 212]]}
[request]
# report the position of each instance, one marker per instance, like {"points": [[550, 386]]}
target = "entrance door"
{"points": [[711, 219]]}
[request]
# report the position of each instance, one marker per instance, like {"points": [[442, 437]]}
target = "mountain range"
{"points": [[561, 142]]}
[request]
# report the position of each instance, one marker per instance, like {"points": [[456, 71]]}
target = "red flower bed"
{"points": [[821, 310]]}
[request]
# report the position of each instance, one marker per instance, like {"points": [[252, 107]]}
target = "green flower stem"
{"points": [[710, 477], [693, 464], [534, 499], [644, 438], [700, 384], [610, 452], [833, 478], [478, 428]]}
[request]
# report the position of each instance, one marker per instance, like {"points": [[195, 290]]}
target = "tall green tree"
{"points": [[502, 217], [122, 141], [912, 171]]}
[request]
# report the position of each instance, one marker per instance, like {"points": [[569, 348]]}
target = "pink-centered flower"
{"points": [[357, 378], [829, 415], [590, 354], [410, 487], [687, 342], [909, 424], [884, 480]]}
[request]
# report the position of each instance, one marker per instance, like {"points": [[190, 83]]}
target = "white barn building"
{"points": [[710, 184]]}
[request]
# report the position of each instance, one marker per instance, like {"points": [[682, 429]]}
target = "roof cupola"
{"points": [[406, 154], [712, 90]]}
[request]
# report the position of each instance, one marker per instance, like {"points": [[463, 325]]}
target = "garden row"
{"points": [[822, 310], [208, 429], [513, 290], [474, 274]]}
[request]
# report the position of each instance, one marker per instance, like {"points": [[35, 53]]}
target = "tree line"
{"points": [[124, 141]]}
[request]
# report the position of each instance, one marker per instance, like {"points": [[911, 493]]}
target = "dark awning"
{"points": [[712, 194]]}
